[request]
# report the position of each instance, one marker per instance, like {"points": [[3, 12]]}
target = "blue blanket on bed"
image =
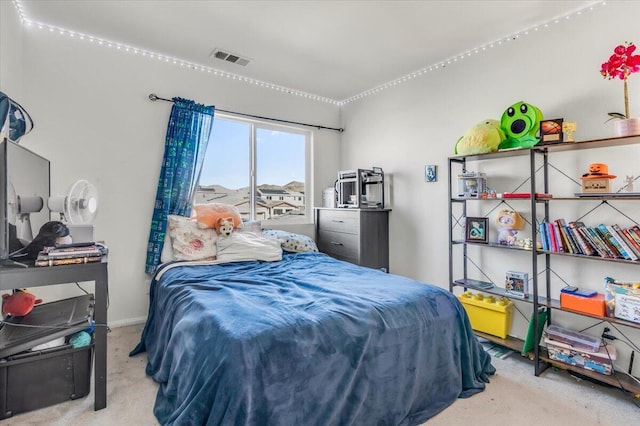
{"points": [[308, 340]]}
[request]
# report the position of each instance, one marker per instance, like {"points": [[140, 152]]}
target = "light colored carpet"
{"points": [[514, 396]]}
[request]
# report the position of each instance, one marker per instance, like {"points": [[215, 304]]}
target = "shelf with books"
{"points": [[608, 242]]}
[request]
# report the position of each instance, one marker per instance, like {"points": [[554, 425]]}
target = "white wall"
{"points": [[418, 122], [94, 121], [10, 51]]}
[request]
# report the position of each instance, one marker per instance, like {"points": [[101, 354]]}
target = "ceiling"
{"points": [[332, 49]]}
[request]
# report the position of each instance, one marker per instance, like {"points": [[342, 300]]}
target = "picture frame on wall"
{"points": [[431, 173], [477, 230]]}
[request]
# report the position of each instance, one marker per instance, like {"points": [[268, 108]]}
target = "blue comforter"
{"points": [[308, 340]]}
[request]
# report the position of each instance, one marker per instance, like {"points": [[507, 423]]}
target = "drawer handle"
{"points": [[335, 243], [337, 221]]}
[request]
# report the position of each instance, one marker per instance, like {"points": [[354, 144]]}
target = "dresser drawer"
{"points": [[338, 243], [339, 221]]}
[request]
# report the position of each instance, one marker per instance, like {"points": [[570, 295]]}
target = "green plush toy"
{"points": [[521, 123], [482, 138]]}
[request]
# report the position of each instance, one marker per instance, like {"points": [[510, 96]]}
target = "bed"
{"points": [[305, 340]]}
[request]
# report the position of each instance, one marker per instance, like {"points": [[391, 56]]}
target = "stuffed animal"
{"points": [[224, 226], [509, 223], [208, 215], [19, 303], [50, 234], [481, 138], [520, 123]]}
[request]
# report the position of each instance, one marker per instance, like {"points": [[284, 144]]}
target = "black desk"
{"points": [[11, 278]]}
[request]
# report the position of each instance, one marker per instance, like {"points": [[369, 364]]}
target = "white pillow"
{"points": [[241, 246], [190, 242], [254, 226], [167, 248]]}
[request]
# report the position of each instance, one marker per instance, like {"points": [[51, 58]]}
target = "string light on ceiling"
{"points": [[219, 73], [459, 57]]}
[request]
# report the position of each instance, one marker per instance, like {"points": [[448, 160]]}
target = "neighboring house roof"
{"points": [[273, 191], [279, 203]]}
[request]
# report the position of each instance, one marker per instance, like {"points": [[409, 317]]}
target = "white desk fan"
{"points": [[78, 209]]}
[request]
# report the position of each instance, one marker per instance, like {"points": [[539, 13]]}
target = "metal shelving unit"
{"points": [[540, 259]]}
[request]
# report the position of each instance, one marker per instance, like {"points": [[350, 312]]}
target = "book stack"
{"points": [[71, 254], [607, 241]]}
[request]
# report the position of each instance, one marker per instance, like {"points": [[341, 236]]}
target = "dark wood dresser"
{"points": [[359, 236]]}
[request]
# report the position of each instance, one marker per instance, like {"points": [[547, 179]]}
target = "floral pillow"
{"points": [[190, 242], [291, 242]]}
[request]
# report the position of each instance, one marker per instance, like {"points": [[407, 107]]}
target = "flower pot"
{"points": [[627, 127]]}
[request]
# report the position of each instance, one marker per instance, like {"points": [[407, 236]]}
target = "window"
{"points": [[260, 168]]}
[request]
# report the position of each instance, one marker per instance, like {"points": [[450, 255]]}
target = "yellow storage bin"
{"points": [[488, 314]]}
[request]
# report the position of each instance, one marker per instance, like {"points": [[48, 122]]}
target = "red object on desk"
{"points": [[19, 304]]}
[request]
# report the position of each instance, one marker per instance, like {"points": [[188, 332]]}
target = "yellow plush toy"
{"points": [[482, 138]]}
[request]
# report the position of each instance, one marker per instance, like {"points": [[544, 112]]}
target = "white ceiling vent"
{"points": [[229, 57]]}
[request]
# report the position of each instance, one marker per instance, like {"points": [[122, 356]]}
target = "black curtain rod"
{"points": [[155, 97]]}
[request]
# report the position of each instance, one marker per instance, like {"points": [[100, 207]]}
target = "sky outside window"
{"points": [[280, 156]]}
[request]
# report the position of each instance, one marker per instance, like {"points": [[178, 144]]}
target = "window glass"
{"points": [[280, 157]]}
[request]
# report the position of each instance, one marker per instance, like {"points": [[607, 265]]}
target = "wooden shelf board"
{"points": [[564, 146], [617, 379], [595, 198], [495, 245], [582, 256], [499, 291], [512, 343]]}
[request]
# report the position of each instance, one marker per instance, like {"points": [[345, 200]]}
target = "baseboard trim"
{"points": [[127, 322]]}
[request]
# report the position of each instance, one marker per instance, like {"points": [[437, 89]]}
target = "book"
{"points": [[566, 243], [552, 237], [631, 242], [76, 251], [556, 235], [613, 244], [544, 240], [585, 245], [575, 241], [623, 243], [71, 261], [634, 232], [598, 239], [584, 231], [46, 256], [517, 284], [65, 248]]}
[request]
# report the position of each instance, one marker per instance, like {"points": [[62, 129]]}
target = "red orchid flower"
{"points": [[621, 65]]}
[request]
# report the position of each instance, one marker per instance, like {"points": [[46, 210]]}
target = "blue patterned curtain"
{"points": [[186, 143]]}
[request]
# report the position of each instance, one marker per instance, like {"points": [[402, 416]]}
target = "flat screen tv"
{"points": [[24, 191]]}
